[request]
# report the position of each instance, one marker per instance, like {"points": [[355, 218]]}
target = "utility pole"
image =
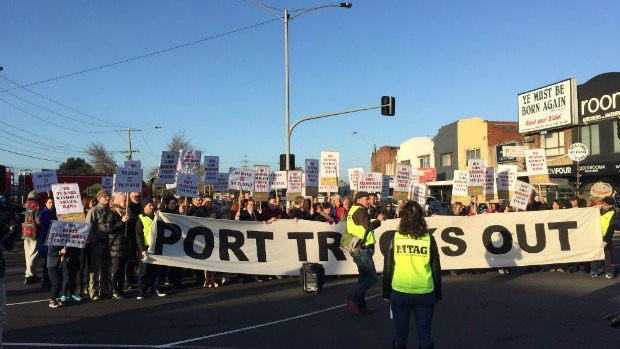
{"points": [[130, 151]]}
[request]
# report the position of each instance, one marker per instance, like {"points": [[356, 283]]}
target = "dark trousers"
{"points": [[423, 307], [607, 262], [130, 268], [69, 269], [367, 276], [117, 273], [148, 278], [55, 280]]}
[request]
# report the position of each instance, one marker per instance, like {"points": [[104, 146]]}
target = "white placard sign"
{"points": [[128, 180], [548, 107], [420, 193], [385, 187], [329, 169], [475, 167], [222, 183], [354, 177], [211, 168], [42, 181], [278, 180], [294, 181], [67, 198], [189, 160], [312, 172], [460, 183], [261, 179], [403, 177], [489, 181], [67, 233], [521, 195], [187, 185], [536, 162], [506, 177], [167, 167], [132, 164], [241, 179], [107, 183], [370, 182], [415, 177], [578, 151]]}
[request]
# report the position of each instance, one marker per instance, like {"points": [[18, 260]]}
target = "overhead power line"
{"points": [[142, 56]]}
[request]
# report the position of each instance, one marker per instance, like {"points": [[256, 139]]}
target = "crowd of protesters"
{"points": [[110, 264]]}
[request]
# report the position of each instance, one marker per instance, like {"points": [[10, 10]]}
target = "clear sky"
{"points": [[213, 70]]}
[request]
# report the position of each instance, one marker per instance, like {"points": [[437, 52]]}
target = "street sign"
{"points": [[578, 152], [517, 151]]}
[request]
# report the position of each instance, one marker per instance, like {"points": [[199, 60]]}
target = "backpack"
{"points": [[29, 227]]}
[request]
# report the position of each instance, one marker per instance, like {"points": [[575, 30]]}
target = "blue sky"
{"points": [[224, 89]]}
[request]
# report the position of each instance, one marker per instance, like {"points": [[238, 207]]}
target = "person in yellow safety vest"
{"points": [[148, 278], [360, 225], [412, 277], [610, 222]]}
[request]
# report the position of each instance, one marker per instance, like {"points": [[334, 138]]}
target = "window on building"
{"points": [[389, 169], [425, 161], [472, 154], [446, 160], [406, 162], [590, 137], [553, 143]]}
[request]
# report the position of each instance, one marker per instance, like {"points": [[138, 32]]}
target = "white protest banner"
{"points": [[189, 160], [354, 177], [167, 167], [211, 168], [385, 187], [67, 198], [261, 179], [128, 180], [241, 179], [506, 180], [460, 183], [420, 193], [222, 183], [328, 181], [132, 164], [521, 196], [66, 233], [107, 183], [294, 179], [280, 248], [489, 188], [278, 180], [187, 185], [401, 182], [42, 181], [312, 173], [370, 182]]}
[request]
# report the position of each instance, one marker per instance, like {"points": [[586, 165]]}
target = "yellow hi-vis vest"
{"points": [[605, 220], [358, 230], [412, 268], [147, 222]]}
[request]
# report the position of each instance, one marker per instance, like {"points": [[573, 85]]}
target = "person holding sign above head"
{"points": [[360, 226]]}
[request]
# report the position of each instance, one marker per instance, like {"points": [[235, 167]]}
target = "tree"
{"points": [[179, 142], [77, 165], [101, 158]]}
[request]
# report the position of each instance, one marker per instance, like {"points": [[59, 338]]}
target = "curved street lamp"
{"points": [[287, 17]]}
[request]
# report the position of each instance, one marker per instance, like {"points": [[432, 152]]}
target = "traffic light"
{"points": [[291, 162], [388, 105]]}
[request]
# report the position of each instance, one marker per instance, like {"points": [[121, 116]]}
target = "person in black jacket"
{"points": [[148, 277], [412, 277], [119, 245]]}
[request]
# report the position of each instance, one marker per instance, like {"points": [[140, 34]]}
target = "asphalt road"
{"points": [[515, 311]]}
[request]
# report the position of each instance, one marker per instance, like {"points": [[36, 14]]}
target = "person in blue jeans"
{"points": [[360, 225], [412, 277]]}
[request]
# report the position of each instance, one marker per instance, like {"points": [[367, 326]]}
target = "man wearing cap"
{"points": [[610, 221], [29, 234], [102, 220], [360, 225]]}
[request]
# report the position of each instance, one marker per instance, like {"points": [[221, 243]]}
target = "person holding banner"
{"points": [[148, 277], [359, 225], [412, 277], [610, 222]]}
